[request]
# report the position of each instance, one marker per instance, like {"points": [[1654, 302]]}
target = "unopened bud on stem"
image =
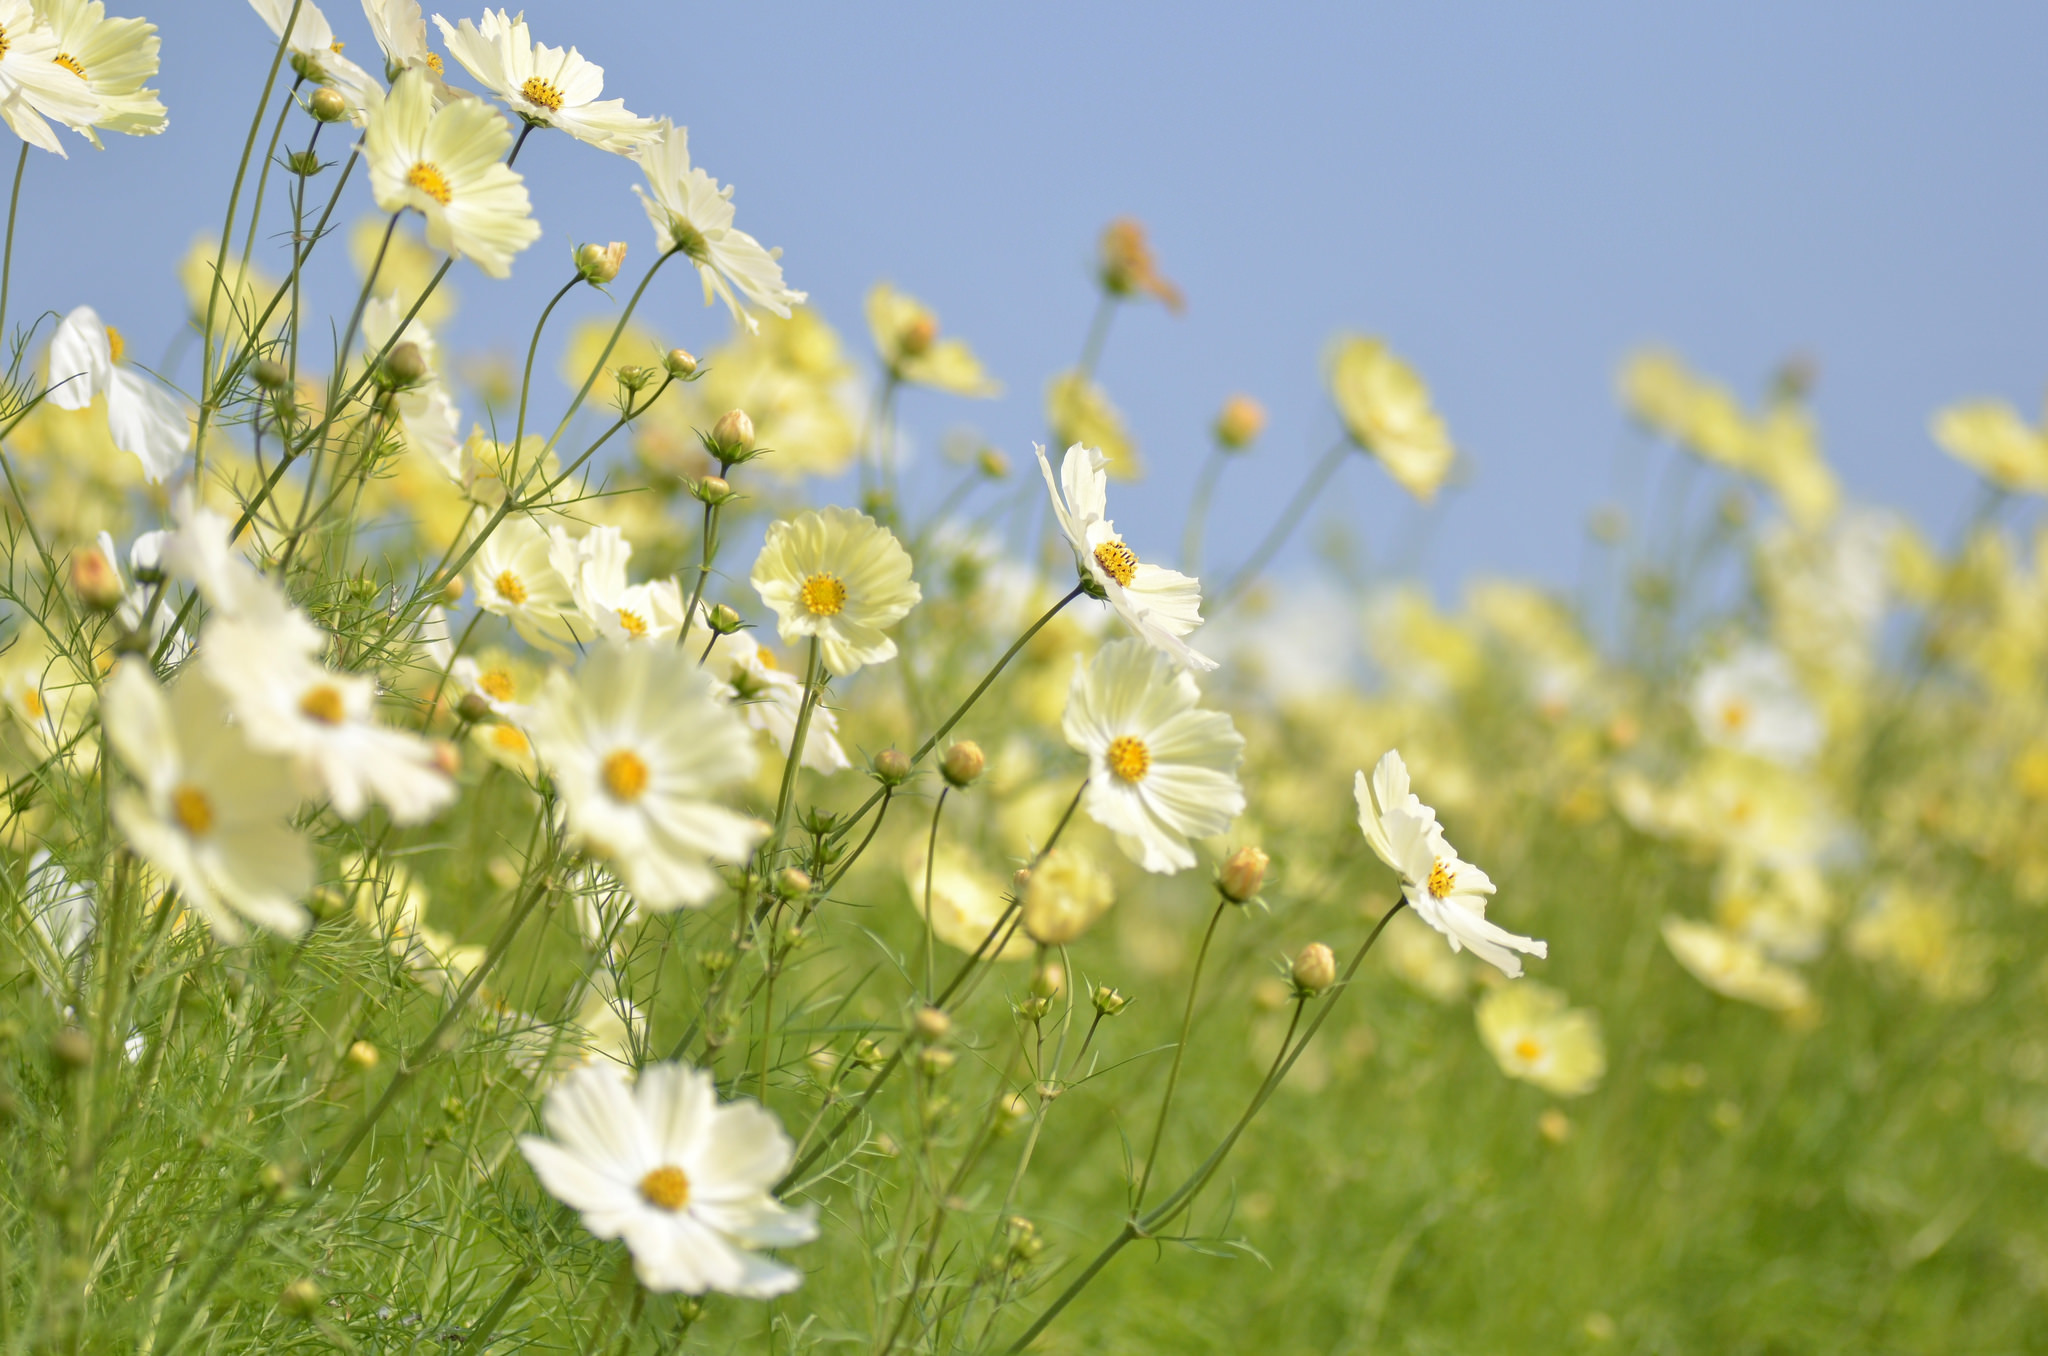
{"points": [[1244, 871], [723, 620], [962, 764], [732, 437], [713, 489], [94, 581], [892, 766], [681, 363], [404, 366], [933, 1024], [327, 104], [1315, 969], [599, 264]]}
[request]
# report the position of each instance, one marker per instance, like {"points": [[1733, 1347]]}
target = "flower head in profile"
{"points": [[691, 214], [967, 903], [840, 576], [1127, 268], [115, 58], [428, 422], [1386, 409], [210, 813], [146, 420], [686, 1182], [1067, 892], [906, 335], [1534, 1035], [1445, 892], [1752, 702], [316, 53], [545, 85], [1734, 967], [1078, 410], [1161, 770], [770, 698], [401, 33], [637, 744], [1159, 604], [35, 84], [448, 165], [595, 566], [1991, 438], [515, 575]]}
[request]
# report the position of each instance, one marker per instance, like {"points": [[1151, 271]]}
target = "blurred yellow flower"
{"points": [[906, 336], [1067, 892], [1386, 409], [1918, 934], [1734, 967], [1991, 438], [1127, 268], [1079, 412], [407, 268], [1535, 1036]]}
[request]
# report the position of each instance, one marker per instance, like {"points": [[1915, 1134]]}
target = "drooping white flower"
{"points": [[516, 578], [401, 33], [546, 86], [840, 576], [691, 213], [637, 744], [199, 551], [212, 813], [143, 557], [1752, 702], [34, 85], [316, 53], [1161, 770], [448, 164], [428, 421], [1445, 892], [686, 1183], [770, 698], [146, 420], [115, 58], [614, 608], [1160, 605]]}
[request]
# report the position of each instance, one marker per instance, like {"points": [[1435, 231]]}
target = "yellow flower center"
{"points": [[1129, 758], [496, 684], [632, 623], [1118, 561], [69, 63], [4, 43], [116, 344], [429, 180], [625, 775], [322, 703], [1440, 880], [1527, 1050], [824, 595], [509, 739], [336, 46], [434, 62], [32, 704], [666, 1188], [1734, 715], [509, 587], [765, 657], [542, 92], [193, 811]]}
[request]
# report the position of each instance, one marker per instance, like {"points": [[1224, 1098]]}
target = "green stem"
{"points": [[1289, 519], [931, 851], [706, 550], [7, 260], [1198, 511], [533, 347], [1187, 1021], [814, 672], [1098, 335]]}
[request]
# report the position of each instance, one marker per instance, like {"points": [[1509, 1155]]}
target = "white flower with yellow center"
{"points": [[428, 422], [325, 722], [1734, 967], [692, 214], [35, 84], [1445, 892], [146, 420], [546, 86], [448, 164], [687, 1183], [968, 903], [1159, 604], [1536, 1036], [495, 680], [212, 814], [636, 743], [595, 566], [1067, 892], [516, 579], [115, 58], [1752, 703], [316, 53], [770, 698], [840, 576], [401, 33], [1160, 769]]}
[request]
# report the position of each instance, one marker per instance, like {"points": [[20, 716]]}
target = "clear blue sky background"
{"points": [[1513, 195]]}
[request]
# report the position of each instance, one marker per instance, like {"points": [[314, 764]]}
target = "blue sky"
{"points": [[1512, 195]]}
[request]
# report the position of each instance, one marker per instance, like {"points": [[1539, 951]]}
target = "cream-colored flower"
{"points": [[1537, 1037], [448, 164], [1078, 410], [516, 578], [147, 420], [1386, 409], [906, 335], [35, 84], [692, 214], [1445, 892], [1161, 770], [115, 58], [636, 743], [1160, 605], [771, 698], [1920, 934], [401, 32], [840, 576], [428, 422], [316, 53], [546, 86], [968, 902], [595, 566], [686, 1182], [212, 814], [1067, 892], [1752, 702], [1734, 967], [1991, 438]]}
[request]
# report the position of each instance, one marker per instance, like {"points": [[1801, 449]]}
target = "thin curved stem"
{"points": [[931, 856], [532, 348], [1180, 1046], [1290, 518], [1098, 336], [1198, 511], [7, 260]]}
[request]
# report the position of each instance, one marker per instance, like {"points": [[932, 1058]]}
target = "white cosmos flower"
{"points": [[1752, 703], [401, 33], [212, 814], [34, 85], [840, 576], [595, 566], [146, 420], [516, 579], [636, 743], [115, 58], [449, 165], [770, 698], [546, 86], [428, 421], [1445, 892], [691, 213], [686, 1182], [1159, 604], [1160, 769], [143, 555], [316, 53], [1733, 966], [200, 551]]}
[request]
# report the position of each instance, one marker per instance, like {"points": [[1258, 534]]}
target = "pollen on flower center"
{"points": [[496, 684], [765, 657], [1129, 758], [509, 738], [542, 92], [429, 180], [434, 62], [1439, 878], [117, 346], [667, 1188], [1118, 561], [632, 623], [625, 775], [4, 43], [1735, 715], [323, 703], [32, 703], [509, 587], [1528, 1050], [193, 811], [824, 595], [69, 63]]}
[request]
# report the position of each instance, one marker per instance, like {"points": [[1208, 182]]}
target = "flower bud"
{"points": [[1034, 1008], [1315, 969], [452, 591], [404, 366], [935, 1059], [1244, 871], [447, 758], [72, 1049], [1240, 423], [992, 463], [723, 620], [933, 1023], [1025, 1243], [327, 104], [1108, 1001], [681, 363], [300, 1299], [962, 764], [305, 164], [632, 378], [271, 374], [892, 766], [363, 1055], [712, 489], [918, 334], [868, 1054], [1049, 980], [599, 264], [94, 581], [473, 707], [732, 436], [792, 882]]}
